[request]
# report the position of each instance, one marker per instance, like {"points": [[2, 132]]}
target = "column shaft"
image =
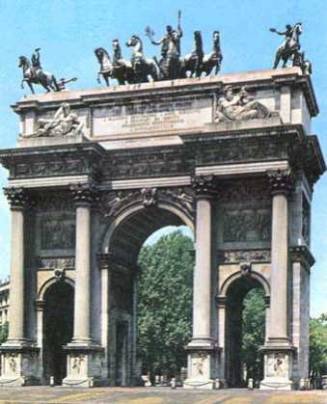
{"points": [[82, 280], [279, 259], [16, 307], [202, 271]]}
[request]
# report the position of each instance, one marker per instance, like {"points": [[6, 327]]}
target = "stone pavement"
{"points": [[156, 396]]}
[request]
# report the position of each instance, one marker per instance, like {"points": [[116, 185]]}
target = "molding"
{"points": [[242, 168], [46, 182], [147, 183]]}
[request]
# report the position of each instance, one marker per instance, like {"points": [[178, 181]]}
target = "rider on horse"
{"points": [[36, 61], [288, 34]]}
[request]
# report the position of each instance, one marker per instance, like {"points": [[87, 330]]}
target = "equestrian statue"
{"points": [[291, 44], [34, 74]]}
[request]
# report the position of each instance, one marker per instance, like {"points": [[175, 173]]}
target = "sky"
{"points": [[68, 31]]}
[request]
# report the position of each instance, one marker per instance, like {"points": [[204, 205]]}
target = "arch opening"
{"points": [[245, 330], [58, 321], [143, 227]]}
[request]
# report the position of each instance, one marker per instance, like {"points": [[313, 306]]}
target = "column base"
{"points": [[201, 363], [20, 364], [85, 365], [278, 364]]}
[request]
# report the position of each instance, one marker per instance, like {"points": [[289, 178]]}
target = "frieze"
{"points": [[237, 256], [55, 263], [245, 192], [51, 201]]}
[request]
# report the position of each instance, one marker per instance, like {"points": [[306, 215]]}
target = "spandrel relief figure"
{"points": [[239, 105], [64, 123]]}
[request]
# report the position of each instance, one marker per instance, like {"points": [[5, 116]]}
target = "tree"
{"points": [[253, 327], [318, 345], [165, 303]]}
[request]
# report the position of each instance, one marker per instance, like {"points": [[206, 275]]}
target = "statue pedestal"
{"points": [[20, 363], [201, 365], [85, 366], [278, 363]]}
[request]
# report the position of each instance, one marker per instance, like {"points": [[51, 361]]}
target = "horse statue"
{"points": [[196, 63], [37, 76], [290, 46], [213, 59], [143, 68], [191, 64], [119, 69]]}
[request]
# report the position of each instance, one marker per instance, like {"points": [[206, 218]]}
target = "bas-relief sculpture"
{"points": [[246, 225], [57, 233], [239, 105], [64, 123]]}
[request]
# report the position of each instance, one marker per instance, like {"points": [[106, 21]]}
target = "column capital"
{"points": [[84, 193], [281, 181], [17, 197], [205, 186]]}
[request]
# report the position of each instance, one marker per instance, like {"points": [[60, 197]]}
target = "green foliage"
{"points": [[253, 325], [165, 303], [4, 332], [318, 345]]}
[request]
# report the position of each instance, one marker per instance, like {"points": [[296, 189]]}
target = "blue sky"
{"points": [[67, 31]]}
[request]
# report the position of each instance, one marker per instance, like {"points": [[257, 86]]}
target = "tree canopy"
{"points": [[318, 345], [165, 303]]}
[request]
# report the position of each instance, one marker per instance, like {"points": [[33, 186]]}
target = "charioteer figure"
{"points": [[170, 49]]}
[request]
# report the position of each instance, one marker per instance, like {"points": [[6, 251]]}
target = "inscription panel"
{"points": [[167, 115]]}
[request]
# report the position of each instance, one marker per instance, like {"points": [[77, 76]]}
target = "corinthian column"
{"points": [[18, 200], [281, 185], [200, 362], [278, 351], [83, 197]]}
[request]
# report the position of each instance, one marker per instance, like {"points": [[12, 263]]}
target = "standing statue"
{"points": [[290, 45], [119, 69], [34, 74], [143, 68], [170, 43]]}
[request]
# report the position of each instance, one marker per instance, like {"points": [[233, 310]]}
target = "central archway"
{"points": [[58, 328], [123, 241]]}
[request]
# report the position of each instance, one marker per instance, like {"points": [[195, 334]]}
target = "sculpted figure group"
{"points": [[171, 65]]}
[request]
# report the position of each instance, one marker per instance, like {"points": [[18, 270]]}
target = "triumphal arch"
{"points": [[95, 172]]}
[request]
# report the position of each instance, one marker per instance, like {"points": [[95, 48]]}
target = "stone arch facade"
{"points": [[152, 155]]}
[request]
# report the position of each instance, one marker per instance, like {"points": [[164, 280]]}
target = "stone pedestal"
{"points": [[202, 347], [200, 367], [85, 366], [20, 365], [278, 362]]}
